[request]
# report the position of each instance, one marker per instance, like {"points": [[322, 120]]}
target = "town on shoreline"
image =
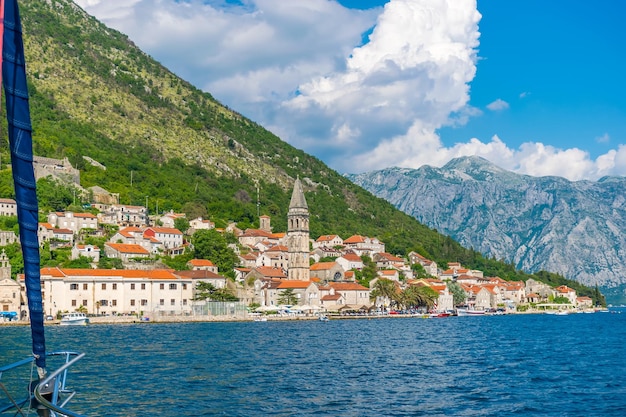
{"points": [[325, 275]]}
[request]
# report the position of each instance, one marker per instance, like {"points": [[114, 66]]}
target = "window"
{"points": [[143, 286], [73, 303], [132, 302], [172, 302], [184, 286], [85, 303], [162, 302], [104, 286], [144, 302], [132, 286], [113, 303], [185, 302], [115, 286], [84, 286], [162, 286], [73, 286], [172, 286]]}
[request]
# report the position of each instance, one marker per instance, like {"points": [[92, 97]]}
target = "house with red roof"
{"points": [[202, 265], [363, 245], [330, 241], [350, 261], [567, 292], [127, 252], [170, 237], [327, 271], [168, 219], [200, 224]]}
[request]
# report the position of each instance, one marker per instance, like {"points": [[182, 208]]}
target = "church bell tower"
{"points": [[298, 235]]}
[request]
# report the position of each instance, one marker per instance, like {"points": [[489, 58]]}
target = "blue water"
{"points": [[533, 365]]}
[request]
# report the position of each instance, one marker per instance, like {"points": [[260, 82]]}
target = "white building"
{"points": [[8, 207], [115, 291]]}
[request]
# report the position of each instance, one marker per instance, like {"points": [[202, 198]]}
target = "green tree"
{"points": [[181, 223], [207, 291], [385, 288], [458, 295], [83, 262], [416, 296], [287, 297], [110, 263], [211, 245]]}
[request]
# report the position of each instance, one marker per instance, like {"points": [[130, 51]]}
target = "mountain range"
{"points": [[574, 228]]}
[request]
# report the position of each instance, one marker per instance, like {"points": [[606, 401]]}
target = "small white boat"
{"points": [[74, 319], [469, 312], [323, 318]]}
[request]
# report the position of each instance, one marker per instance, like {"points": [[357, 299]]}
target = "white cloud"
{"points": [[497, 105], [604, 138], [298, 68]]}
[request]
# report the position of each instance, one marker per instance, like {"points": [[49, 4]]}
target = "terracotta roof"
{"points": [[331, 297], [326, 238], [278, 248], [128, 248], [355, 239], [352, 257], [165, 230], [269, 271], [123, 273], [289, 283], [323, 266], [199, 274], [201, 262], [256, 233]]}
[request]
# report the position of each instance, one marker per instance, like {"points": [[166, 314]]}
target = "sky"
{"points": [[536, 87]]}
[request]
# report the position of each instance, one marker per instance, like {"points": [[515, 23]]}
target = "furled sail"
{"points": [[20, 143]]}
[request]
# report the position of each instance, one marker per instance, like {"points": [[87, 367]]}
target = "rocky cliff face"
{"points": [[547, 223]]}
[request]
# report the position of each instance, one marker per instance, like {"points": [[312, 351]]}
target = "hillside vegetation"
{"points": [[95, 94]]}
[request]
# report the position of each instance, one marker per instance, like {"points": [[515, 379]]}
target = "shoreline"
{"points": [[247, 318]]}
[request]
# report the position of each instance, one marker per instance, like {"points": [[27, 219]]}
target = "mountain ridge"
{"points": [[537, 223]]}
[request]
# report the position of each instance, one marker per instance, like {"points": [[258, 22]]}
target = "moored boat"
{"points": [[74, 319]]}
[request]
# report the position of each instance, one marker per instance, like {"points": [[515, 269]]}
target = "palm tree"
{"points": [[415, 296], [385, 289]]}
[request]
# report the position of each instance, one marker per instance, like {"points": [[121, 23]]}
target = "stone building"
{"points": [[298, 235]]}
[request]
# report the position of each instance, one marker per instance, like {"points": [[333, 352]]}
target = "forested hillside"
{"points": [[95, 94]]}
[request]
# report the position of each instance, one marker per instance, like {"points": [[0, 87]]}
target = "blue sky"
{"points": [[536, 87]]}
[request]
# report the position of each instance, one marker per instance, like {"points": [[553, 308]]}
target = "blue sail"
{"points": [[20, 143]]}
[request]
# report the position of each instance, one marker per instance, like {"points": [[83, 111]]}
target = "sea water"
{"points": [[531, 365]]}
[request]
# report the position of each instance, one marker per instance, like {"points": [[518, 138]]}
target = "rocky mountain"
{"points": [[575, 228]]}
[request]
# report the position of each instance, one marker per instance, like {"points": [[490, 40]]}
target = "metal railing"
{"points": [[50, 394]]}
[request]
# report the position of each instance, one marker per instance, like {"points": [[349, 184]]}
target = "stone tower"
{"points": [[298, 235], [5, 266]]}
